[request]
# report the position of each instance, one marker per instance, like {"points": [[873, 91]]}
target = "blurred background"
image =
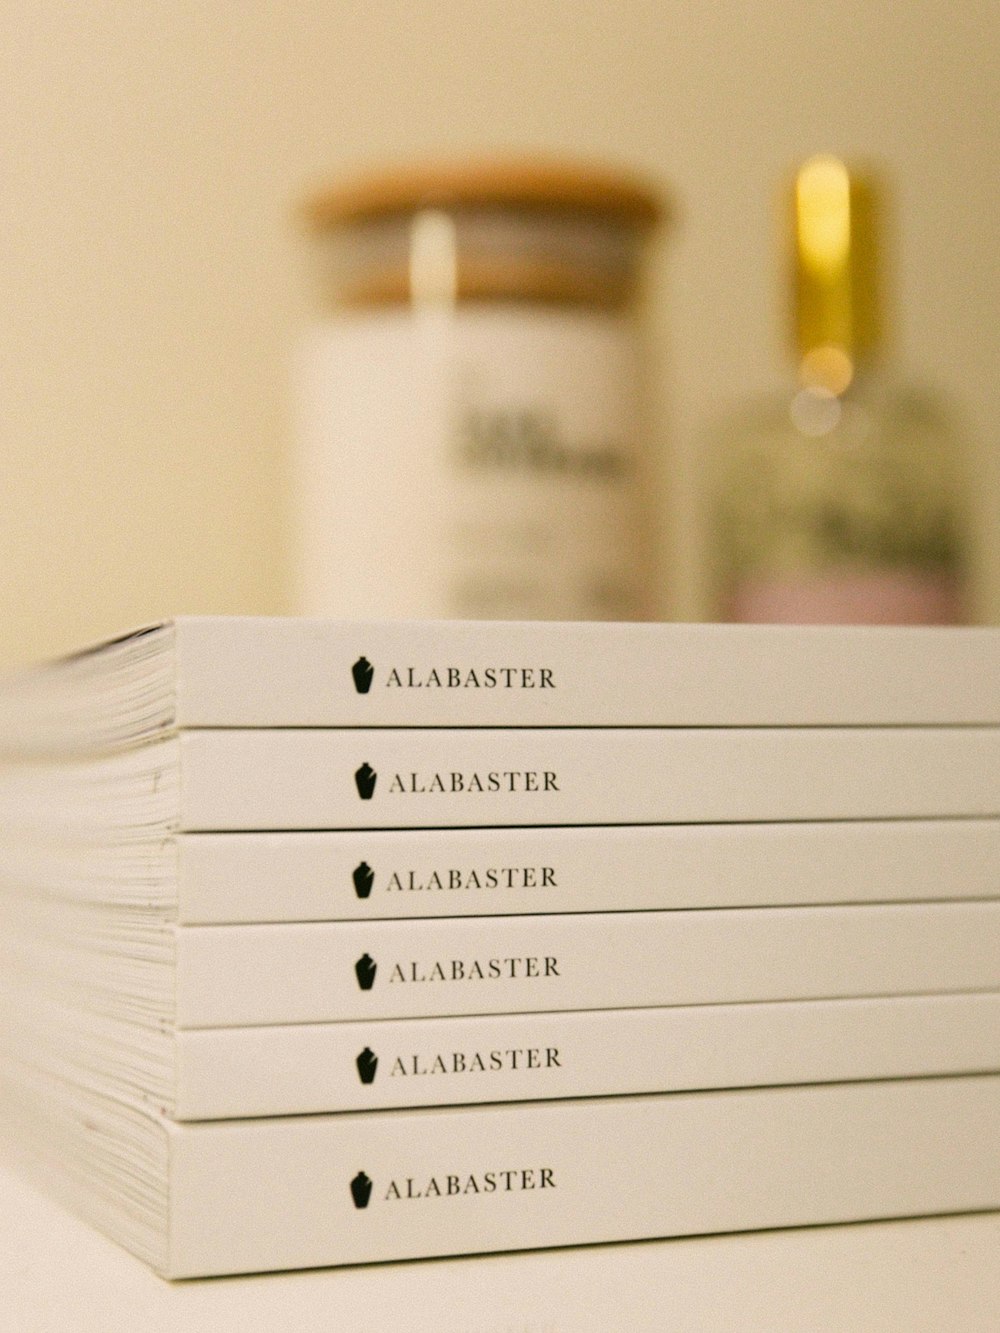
{"points": [[155, 276]]}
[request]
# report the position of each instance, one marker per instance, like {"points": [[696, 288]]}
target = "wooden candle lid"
{"points": [[529, 183]]}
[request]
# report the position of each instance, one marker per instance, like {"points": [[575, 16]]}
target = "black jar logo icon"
{"points": [[364, 878], [365, 969], [361, 1190], [367, 1063], [363, 673]]}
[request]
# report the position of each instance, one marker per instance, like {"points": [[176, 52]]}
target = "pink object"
{"points": [[883, 597]]}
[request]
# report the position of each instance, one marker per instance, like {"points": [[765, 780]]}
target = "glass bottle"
{"points": [[839, 502], [471, 439]]}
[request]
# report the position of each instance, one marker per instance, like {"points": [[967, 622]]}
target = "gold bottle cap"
{"points": [[835, 270]]}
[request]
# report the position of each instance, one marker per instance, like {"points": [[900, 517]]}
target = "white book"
{"points": [[242, 672], [309, 1068], [419, 779], [140, 968], [305, 1191], [230, 976], [236, 878], [220, 878], [228, 1073], [244, 781]]}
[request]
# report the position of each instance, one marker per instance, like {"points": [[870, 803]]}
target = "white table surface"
{"points": [[940, 1275]]}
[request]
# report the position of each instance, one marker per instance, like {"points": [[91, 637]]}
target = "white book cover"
{"points": [[234, 878], [249, 672], [242, 1196], [243, 878], [246, 1196], [232, 1073], [137, 967], [244, 780], [247, 781], [231, 976], [310, 1068]]}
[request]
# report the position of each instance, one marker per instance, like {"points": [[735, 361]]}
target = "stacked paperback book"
{"points": [[330, 943]]}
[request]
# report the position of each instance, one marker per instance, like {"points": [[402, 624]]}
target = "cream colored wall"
{"points": [[153, 283]]}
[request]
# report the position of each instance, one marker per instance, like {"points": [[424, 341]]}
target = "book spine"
{"points": [[234, 1073], [227, 976], [322, 779], [246, 877], [328, 673], [305, 1191]]}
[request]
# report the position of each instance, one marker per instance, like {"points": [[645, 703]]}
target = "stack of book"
{"points": [[330, 943]]}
